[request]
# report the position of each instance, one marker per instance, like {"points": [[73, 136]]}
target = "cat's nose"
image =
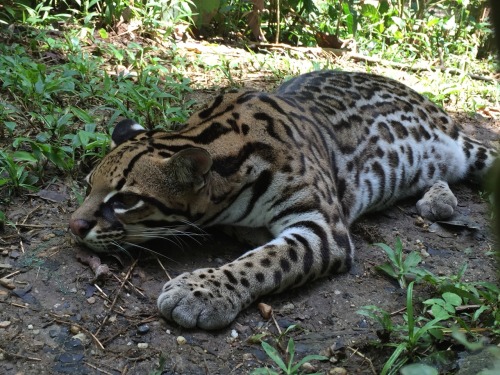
{"points": [[80, 227]]}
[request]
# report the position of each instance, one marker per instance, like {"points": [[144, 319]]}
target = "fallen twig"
{"points": [[116, 297], [131, 285], [97, 368], [358, 353], [59, 320], [9, 354], [163, 268]]}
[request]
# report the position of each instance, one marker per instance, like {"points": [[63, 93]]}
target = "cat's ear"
{"points": [[125, 130], [189, 167]]}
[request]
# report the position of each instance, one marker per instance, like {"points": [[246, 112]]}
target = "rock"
{"points": [[181, 340], [234, 334], [265, 310], [53, 333], [74, 329], [14, 254], [30, 326], [308, 368], [337, 371], [5, 324], [143, 329], [70, 357], [38, 344], [143, 345], [91, 300], [48, 237], [287, 308], [82, 337], [248, 357]]}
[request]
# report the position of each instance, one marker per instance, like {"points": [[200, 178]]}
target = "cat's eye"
{"points": [[125, 201]]}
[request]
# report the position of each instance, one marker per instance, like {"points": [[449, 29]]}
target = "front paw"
{"points": [[193, 300]]}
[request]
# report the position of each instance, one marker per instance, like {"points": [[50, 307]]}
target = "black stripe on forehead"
{"points": [[132, 162]]}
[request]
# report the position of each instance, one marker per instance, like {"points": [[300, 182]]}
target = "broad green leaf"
{"points": [[412, 260], [24, 156], [452, 299], [440, 312], [291, 352], [388, 251], [478, 312], [274, 355], [387, 269], [103, 33], [39, 86], [392, 359], [418, 369]]}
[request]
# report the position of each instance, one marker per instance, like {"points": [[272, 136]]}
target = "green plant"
{"points": [[15, 171], [399, 266], [413, 336], [382, 317], [161, 365], [3, 219], [289, 367], [417, 334]]}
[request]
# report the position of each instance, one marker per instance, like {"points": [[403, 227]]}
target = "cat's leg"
{"points": [[438, 203]]}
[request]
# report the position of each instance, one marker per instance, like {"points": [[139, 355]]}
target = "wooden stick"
{"points": [[116, 297], [19, 356], [357, 352]]}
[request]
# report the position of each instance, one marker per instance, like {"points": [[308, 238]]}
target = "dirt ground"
{"points": [[54, 319]]}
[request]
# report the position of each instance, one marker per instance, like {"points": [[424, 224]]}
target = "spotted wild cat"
{"points": [[303, 162]]}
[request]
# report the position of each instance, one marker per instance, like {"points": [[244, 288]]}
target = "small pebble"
{"points": [[248, 357], [48, 236], [74, 329], [38, 344], [234, 334], [82, 337], [143, 329], [181, 340], [30, 326], [5, 324], [142, 345], [308, 368], [14, 254], [287, 308], [91, 300], [337, 371], [265, 310]]}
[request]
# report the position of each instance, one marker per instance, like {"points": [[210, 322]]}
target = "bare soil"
{"points": [[56, 320]]}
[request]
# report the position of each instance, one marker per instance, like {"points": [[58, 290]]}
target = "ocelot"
{"points": [[303, 162]]}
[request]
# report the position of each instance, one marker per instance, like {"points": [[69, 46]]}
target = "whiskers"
{"points": [[173, 234]]}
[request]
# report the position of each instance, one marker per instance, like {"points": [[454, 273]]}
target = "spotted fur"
{"points": [[303, 162]]}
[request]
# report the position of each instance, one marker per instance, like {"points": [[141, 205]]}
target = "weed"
{"points": [[469, 305], [415, 334], [400, 267], [289, 367], [161, 366], [15, 171]]}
